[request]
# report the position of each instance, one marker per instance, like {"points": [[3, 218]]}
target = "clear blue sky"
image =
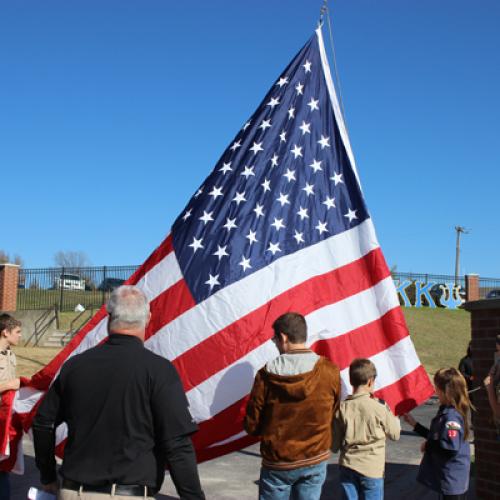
{"points": [[113, 112]]}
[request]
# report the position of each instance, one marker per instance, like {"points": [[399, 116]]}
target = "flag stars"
{"points": [[321, 227], [239, 198], [299, 237], [291, 113], [302, 213], [313, 104], [221, 252], [196, 244], [206, 217], [265, 124], [274, 160], [198, 192], [212, 281], [247, 172], [307, 66], [216, 192], [324, 142], [226, 167], [187, 214], [230, 224], [247, 124], [245, 263], [283, 136], [329, 202], [337, 178], [251, 237], [259, 210], [351, 215], [290, 175], [278, 224], [266, 185], [296, 151], [305, 127], [283, 199], [273, 102], [235, 145], [309, 189], [274, 248], [257, 146], [316, 165], [282, 81], [299, 88]]}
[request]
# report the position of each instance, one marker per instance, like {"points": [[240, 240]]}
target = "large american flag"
{"points": [[279, 225]]}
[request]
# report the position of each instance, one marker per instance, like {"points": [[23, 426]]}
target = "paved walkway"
{"points": [[235, 476]]}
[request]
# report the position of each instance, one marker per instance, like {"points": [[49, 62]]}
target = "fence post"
{"points": [[472, 287], [9, 276], [104, 284], [61, 288]]}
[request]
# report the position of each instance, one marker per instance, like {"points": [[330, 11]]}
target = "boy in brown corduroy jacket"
{"points": [[291, 407]]}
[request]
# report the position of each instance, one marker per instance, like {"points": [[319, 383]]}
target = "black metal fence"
{"points": [[66, 288]]}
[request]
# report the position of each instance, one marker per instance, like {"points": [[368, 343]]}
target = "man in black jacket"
{"points": [[126, 413]]}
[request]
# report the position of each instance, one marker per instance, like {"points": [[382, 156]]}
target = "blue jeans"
{"points": [[356, 486], [4, 486], [304, 483]]}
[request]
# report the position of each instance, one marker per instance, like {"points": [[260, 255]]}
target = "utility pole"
{"points": [[458, 229]]}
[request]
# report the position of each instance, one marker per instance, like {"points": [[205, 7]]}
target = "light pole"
{"points": [[458, 229]]}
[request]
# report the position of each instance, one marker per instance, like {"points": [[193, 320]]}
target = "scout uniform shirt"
{"points": [[7, 365], [446, 462], [359, 432]]}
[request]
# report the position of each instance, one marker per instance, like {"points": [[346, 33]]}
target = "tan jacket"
{"points": [[7, 365], [360, 429], [293, 413]]}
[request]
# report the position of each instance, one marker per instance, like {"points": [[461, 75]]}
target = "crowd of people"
{"points": [[128, 419]]}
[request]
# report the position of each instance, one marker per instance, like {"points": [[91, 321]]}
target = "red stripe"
{"points": [[247, 333], [217, 451], [408, 392], [365, 341], [168, 305]]}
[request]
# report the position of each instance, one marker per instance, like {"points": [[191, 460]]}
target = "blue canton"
{"points": [[283, 184]]}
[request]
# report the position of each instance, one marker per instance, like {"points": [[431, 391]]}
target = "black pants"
{"points": [[463, 496]]}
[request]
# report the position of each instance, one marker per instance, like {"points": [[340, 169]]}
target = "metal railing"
{"points": [[65, 288]]}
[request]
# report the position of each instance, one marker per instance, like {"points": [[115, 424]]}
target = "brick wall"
{"points": [[9, 278], [485, 325], [472, 287]]}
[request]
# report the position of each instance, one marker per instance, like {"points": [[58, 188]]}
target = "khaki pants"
{"points": [[87, 495]]}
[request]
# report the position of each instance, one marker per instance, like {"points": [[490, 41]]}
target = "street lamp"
{"points": [[459, 230]]}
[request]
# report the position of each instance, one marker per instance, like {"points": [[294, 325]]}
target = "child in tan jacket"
{"points": [[361, 427]]}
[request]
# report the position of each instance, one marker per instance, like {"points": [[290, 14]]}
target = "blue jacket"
{"points": [[446, 462]]}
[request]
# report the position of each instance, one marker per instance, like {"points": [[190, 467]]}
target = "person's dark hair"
{"points": [[360, 371], [7, 322], [293, 325]]}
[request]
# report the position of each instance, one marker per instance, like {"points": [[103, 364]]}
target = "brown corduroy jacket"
{"points": [[293, 415]]}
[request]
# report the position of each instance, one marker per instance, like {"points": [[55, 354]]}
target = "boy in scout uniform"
{"points": [[10, 333], [361, 427]]}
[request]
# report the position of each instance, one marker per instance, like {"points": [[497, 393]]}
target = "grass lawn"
{"points": [[440, 336]]}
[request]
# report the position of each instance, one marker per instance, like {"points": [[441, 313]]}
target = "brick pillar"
{"points": [[472, 287], [485, 325], [9, 278]]}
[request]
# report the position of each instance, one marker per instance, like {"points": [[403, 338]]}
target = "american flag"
{"points": [[279, 225]]}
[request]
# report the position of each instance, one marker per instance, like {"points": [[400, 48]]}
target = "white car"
{"points": [[69, 282]]}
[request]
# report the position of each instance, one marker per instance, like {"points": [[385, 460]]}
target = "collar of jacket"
{"points": [[121, 339]]}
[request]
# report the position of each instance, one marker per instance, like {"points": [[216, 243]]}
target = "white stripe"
{"points": [[25, 399], [230, 439], [241, 298], [335, 103], [234, 382]]}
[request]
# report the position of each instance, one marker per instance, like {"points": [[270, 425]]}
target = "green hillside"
{"points": [[440, 335]]}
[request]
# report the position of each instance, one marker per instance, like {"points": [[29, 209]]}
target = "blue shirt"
{"points": [[446, 462]]}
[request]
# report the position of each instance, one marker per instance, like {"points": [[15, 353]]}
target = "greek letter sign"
{"points": [[430, 294]]}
